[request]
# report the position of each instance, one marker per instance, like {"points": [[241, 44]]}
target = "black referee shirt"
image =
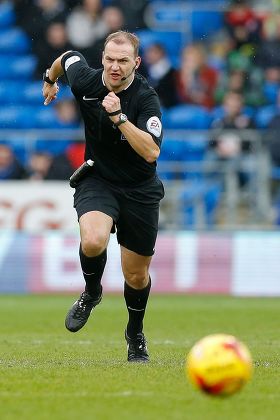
{"points": [[115, 160]]}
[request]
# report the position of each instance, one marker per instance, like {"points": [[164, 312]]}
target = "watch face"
{"points": [[123, 118]]}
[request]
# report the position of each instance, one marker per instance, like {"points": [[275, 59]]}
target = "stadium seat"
{"points": [[171, 151], [16, 116], [193, 23], [200, 200], [270, 91], [205, 23], [14, 41], [46, 117], [182, 150], [18, 93], [187, 117], [54, 147], [171, 40], [17, 67], [32, 93], [264, 115], [219, 112], [29, 93], [7, 15]]}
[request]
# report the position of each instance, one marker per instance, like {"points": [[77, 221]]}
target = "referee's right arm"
{"points": [[50, 88]]}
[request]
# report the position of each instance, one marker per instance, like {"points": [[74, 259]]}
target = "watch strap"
{"points": [[112, 114], [47, 79], [120, 122]]}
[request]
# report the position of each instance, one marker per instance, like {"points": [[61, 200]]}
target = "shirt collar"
{"points": [[104, 84]]}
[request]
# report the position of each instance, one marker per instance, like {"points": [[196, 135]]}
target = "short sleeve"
{"points": [[77, 71], [149, 118]]}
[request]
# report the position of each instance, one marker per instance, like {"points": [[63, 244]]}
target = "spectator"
{"points": [[55, 43], [36, 18], [38, 165], [195, 80], [67, 117], [242, 24], [231, 143], [43, 165], [67, 113], [114, 21], [161, 75], [134, 13], [272, 135], [268, 53], [66, 163], [10, 168], [238, 80], [85, 25]]}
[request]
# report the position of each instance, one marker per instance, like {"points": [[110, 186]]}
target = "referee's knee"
{"points": [[94, 246], [137, 280]]}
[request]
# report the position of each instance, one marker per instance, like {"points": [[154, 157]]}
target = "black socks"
{"points": [[93, 268], [136, 301]]}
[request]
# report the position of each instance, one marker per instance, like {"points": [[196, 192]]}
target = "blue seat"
{"points": [[46, 117], [32, 93], [187, 117], [20, 148], [31, 116], [29, 93], [13, 92], [201, 192], [54, 147], [17, 67], [7, 15], [205, 23], [172, 149], [264, 115], [218, 111], [14, 41], [171, 40], [270, 91], [182, 150], [15, 116], [193, 22]]}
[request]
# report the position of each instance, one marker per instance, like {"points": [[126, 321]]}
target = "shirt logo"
{"points": [[89, 99], [154, 126], [71, 60]]}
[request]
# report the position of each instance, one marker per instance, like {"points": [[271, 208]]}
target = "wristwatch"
{"points": [[47, 79], [122, 119]]}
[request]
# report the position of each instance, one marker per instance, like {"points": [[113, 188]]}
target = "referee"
{"points": [[121, 192]]}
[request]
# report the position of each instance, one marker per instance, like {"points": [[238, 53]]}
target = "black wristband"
{"points": [[112, 114], [47, 79]]}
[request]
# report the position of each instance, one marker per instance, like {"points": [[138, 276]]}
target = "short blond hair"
{"points": [[121, 37]]}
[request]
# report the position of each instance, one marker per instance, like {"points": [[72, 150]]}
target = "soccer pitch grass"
{"points": [[50, 373]]}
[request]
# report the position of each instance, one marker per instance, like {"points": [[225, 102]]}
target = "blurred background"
{"points": [[216, 67]]}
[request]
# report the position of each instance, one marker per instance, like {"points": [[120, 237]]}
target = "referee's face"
{"points": [[119, 64]]}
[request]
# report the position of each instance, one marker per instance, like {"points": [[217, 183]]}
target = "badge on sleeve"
{"points": [[71, 60], [154, 126]]}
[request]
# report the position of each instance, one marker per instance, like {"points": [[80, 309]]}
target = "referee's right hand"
{"points": [[50, 92]]}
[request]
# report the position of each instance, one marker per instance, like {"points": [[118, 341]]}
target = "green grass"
{"points": [[48, 373]]}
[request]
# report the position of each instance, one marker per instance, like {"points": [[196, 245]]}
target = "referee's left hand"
{"points": [[112, 103]]}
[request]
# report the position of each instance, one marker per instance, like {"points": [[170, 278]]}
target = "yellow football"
{"points": [[219, 364]]}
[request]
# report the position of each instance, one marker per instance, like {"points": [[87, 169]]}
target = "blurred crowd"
{"points": [[234, 71]]}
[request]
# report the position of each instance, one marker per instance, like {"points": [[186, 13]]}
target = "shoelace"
{"points": [[81, 307], [140, 343]]}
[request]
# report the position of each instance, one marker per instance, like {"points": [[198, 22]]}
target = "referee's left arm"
{"points": [[141, 141]]}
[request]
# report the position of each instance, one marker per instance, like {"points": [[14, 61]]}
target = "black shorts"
{"points": [[134, 210]]}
